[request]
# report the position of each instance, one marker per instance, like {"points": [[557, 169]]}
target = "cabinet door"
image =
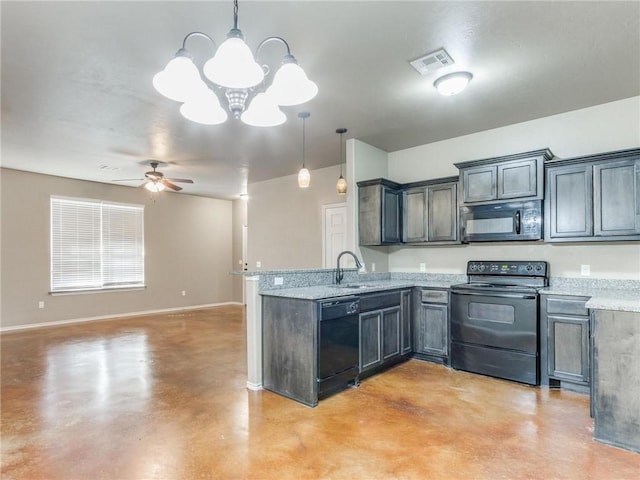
{"points": [[568, 344], [405, 322], [415, 225], [480, 184], [442, 213], [369, 214], [431, 334], [391, 216], [370, 346], [616, 198], [390, 333], [518, 179], [569, 202]]}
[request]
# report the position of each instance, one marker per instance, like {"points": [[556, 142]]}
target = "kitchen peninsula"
{"points": [[611, 302]]}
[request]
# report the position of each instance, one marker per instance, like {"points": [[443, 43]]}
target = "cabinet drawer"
{"points": [[435, 296], [567, 305], [379, 301]]}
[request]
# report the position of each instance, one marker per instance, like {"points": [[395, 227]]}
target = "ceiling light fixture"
{"points": [[304, 177], [452, 83], [154, 186], [234, 71], [341, 186]]}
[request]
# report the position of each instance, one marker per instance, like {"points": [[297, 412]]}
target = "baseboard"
{"points": [[254, 386], [57, 323]]}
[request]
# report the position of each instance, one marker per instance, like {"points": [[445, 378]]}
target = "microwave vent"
{"points": [[432, 62]]}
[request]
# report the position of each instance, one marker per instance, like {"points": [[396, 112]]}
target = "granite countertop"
{"points": [[319, 292], [602, 299]]}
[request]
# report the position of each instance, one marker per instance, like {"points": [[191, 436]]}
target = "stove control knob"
{"points": [[538, 267], [481, 267], [529, 267], [472, 266]]}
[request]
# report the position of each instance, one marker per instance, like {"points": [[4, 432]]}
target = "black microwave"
{"points": [[499, 222]]}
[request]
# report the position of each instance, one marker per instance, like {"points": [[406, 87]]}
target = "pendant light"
{"points": [[341, 186], [304, 177]]}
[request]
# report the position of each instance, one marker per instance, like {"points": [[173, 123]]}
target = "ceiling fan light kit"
{"points": [[234, 70]]}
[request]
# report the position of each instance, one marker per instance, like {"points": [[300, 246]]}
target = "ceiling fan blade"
{"points": [[180, 180], [170, 185], [128, 180]]}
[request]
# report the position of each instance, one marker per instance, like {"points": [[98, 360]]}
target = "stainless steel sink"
{"points": [[353, 285]]}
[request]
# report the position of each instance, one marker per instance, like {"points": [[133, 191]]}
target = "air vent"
{"points": [[432, 62]]}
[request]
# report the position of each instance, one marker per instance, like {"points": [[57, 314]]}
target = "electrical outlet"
{"points": [[423, 267], [258, 264], [184, 293], [278, 281], [585, 270], [40, 304], [373, 267]]}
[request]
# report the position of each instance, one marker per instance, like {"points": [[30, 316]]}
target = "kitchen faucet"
{"points": [[339, 272]]}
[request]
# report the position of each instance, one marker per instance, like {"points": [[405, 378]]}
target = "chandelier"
{"points": [[234, 72]]}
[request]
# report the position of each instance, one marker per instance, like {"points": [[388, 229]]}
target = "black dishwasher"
{"points": [[338, 345]]}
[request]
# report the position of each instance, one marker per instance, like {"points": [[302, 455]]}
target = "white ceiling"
{"points": [[77, 93]]}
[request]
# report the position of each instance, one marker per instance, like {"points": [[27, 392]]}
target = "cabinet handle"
{"points": [[518, 222]]}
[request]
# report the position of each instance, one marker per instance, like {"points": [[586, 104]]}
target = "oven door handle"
{"points": [[523, 296]]}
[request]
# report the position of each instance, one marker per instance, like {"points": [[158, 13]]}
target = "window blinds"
{"points": [[96, 245]]}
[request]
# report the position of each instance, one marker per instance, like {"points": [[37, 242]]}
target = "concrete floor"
{"points": [[164, 397]]}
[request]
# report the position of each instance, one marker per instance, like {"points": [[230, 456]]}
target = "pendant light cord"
{"points": [[303, 139], [340, 154]]}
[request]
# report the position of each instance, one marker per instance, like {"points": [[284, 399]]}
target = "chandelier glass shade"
{"points": [[234, 72]]}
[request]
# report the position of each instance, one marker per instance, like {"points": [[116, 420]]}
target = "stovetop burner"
{"points": [[506, 275]]}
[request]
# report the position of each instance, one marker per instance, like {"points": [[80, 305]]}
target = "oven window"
{"points": [[492, 312], [489, 225]]}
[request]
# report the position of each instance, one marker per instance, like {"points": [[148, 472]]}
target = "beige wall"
{"points": [[239, 220], [285, 221], [612, 126], [188, 246]]}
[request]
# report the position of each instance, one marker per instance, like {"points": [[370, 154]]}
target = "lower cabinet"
{"points": [[565, 342], [383, 329], [431, 326]]}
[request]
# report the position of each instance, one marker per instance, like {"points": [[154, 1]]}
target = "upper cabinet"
{"points": [[379, 212], [593, 198], [431, 212], [503, 178]]}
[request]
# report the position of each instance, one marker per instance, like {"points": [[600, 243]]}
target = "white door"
{"points": [[334, 230]]}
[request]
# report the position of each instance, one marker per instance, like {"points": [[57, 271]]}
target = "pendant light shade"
{"points": [[341, 186], [304, 176]]}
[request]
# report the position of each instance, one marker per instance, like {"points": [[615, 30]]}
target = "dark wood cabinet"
{"points": [[406, 345], [379, 212], [431, 326], [565, 343], [594, 198], [518, 176], [431, 212], [384, 320]]}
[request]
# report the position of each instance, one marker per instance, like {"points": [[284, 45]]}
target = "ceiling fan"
{"points": [[155, 181]]}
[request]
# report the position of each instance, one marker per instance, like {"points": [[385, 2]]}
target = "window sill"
{"points": [[96, 290]]}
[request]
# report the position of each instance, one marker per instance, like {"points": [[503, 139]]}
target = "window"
{"points": [[96, 245]]}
